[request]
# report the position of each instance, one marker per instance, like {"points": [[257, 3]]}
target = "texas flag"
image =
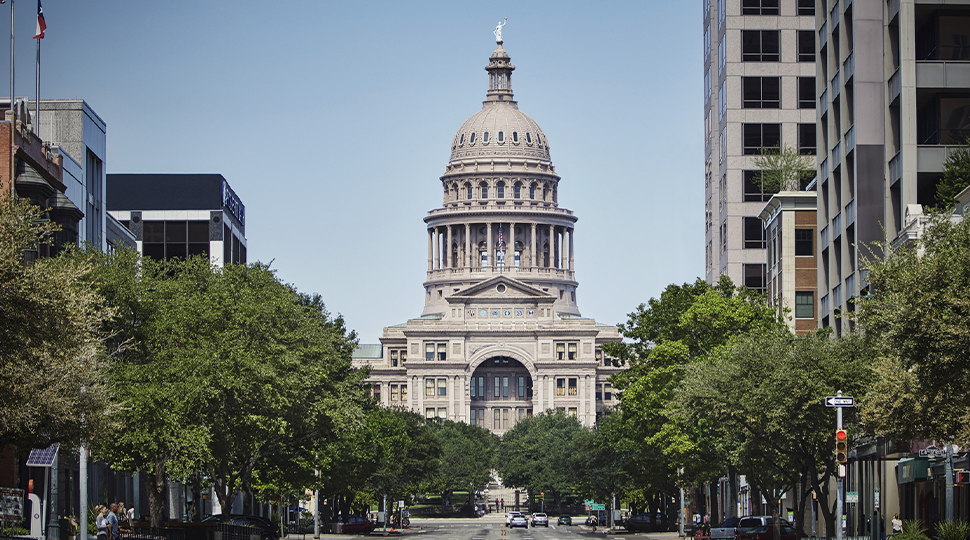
{"points": [[41, 23]]}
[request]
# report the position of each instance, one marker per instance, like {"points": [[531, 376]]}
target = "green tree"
{"points": [[764, 393], [783, 169], [917, 314], [227, 368], [466, 459], [539, 454], [956, 176], [51, 340], [687, 323]]}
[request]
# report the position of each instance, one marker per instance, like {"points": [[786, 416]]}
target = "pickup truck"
{"points": [[726, 530]]}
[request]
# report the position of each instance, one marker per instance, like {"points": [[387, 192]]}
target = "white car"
{"points": [[540, 519], [510, 515]]}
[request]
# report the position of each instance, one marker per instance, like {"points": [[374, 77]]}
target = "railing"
{"points": [[895, 168], [151, 533], [895, 86], [848, 67], [511, 206], [229, 531], [850, 213], [512, 270]]}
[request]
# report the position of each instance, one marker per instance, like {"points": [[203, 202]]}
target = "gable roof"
{"points": [[501, 288]]}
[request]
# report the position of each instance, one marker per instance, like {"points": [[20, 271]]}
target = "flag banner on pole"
{"points": [[41, 23]]}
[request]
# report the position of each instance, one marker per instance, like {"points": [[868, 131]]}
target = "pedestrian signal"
{"points": [[962, 477], [841, 446]]}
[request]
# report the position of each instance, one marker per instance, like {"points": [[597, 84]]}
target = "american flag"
{"points": [[501, 240]]}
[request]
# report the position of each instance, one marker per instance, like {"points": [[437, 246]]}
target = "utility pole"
{"points": [[948, 470], [838, 476]]}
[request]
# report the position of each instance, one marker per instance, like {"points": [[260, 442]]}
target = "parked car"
{"points": [[268, 529], [765, 532], [565, 520], [357, 524], [518, 521], [510, 515], [748, 523], [644, 522], [540, 519], [726, 530]]}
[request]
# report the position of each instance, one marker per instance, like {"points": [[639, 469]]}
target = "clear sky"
{"points": [[333, 122]]}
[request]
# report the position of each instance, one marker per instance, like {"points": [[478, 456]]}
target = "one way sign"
{"points": [[840, 401]]}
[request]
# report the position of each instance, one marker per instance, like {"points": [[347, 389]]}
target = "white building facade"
{"points": [[501, 337]]}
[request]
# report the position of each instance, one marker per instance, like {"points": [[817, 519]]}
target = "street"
{"points": [[493, 529]]}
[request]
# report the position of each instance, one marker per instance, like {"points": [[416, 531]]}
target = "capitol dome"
{"points": [[500, 129]]}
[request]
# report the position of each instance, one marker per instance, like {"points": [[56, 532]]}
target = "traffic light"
{"points": [[841, 446], [542, 496], [962, 477]]}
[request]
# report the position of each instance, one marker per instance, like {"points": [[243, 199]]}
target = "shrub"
{"points": [[952, 530]]}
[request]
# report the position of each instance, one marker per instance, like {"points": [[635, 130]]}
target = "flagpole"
{"points": [[36, 121], [13, 108]]}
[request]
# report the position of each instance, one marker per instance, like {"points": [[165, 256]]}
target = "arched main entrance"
{"points": [[500, 392]]}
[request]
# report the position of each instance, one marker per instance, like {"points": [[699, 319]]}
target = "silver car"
{"points": [[519, 521], [540, 519]]}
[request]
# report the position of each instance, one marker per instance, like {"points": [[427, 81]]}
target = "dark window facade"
{"points": [[806, 92], [758, 136], [804, 305], [754, 233], [753, 189], [759, 7], [804, 242], [760, 46], [806, 139], [761, 92], [754, 276], [806, 46], [806, 7], [175, 239]]}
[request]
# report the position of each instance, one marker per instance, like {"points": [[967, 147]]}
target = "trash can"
{"points": [[338, 528]]}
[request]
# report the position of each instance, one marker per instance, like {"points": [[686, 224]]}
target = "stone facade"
{"points": [[501, 336]]}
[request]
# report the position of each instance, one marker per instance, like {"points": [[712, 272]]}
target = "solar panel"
{"points": [[43, 457]]}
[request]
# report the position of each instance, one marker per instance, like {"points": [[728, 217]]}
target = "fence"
{"points": [[151, 533]]}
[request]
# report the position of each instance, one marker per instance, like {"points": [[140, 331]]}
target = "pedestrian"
{"points": [[897, 524], [131, 513], [503, 504], [114, 532], [101, 522]]}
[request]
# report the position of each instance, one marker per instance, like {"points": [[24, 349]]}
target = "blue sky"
{"points": [[333, 122]]}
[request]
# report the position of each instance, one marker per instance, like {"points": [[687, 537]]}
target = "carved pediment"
{"points": [[501, 288]]}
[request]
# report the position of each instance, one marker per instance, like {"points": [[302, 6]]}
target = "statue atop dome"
{"points": [[498, 30]]}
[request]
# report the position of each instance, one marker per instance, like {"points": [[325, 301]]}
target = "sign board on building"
{"points": [[852, 496], [11, 504]]}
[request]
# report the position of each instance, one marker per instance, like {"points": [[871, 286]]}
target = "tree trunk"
{"points": [[247, 493], [156, 493], [195, 511], [732, 491]]}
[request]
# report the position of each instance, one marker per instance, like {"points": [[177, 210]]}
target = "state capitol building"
{"points": [[501, 336]]}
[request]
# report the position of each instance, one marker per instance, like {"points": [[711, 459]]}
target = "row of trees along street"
{"points": [[229, 378]]}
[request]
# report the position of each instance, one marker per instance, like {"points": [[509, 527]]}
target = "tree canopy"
{"points": [[51, 338], [783, 169], [956, 176], [917, 314]]}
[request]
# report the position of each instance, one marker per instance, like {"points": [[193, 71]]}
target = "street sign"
{"points": [[840, 401], [599, 506], [400, 504], [852, 496], [11, 504], [932, 451], [876, 499], [589, 501]]}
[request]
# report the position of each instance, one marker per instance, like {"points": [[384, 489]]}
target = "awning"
{"points": [[909, 470]]}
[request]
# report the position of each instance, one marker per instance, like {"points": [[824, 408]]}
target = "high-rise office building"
{"points": [[894, 100], [759, 92]]}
